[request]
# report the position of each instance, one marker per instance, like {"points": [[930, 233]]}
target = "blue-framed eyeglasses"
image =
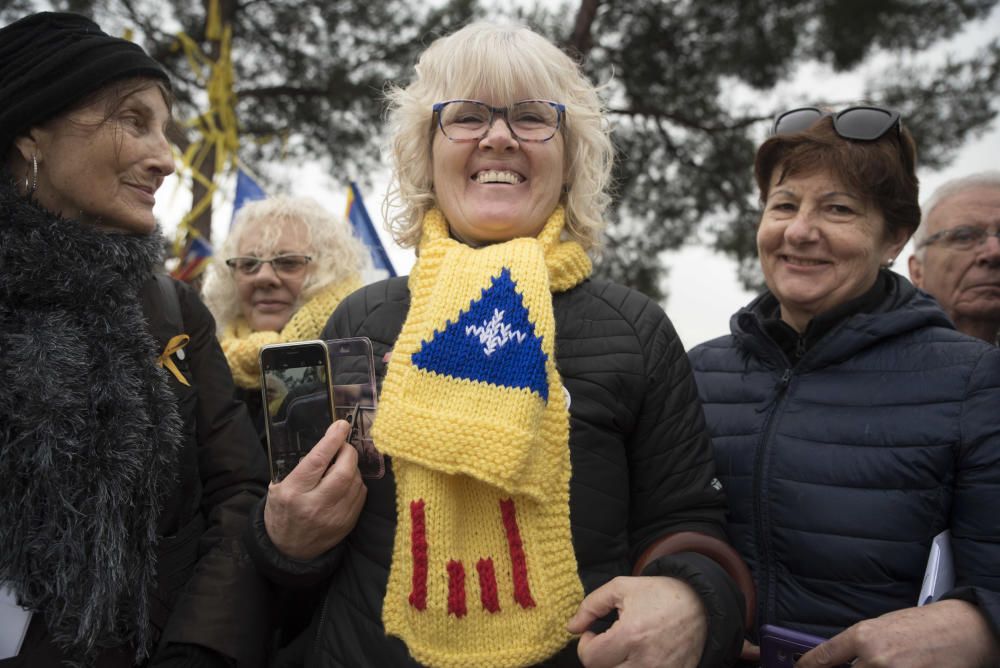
{"points": [[527, 120]]}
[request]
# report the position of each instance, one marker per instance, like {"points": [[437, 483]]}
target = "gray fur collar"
{"points": [[89, 430]]}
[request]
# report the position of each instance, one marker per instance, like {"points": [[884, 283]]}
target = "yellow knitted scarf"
{"points": [[474, 415], [242, 345]]}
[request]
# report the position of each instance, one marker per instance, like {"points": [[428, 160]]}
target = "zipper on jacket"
{"points": [[800, 347], [319, 626], [762, 529]]}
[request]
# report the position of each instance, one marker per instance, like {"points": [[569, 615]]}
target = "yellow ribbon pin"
{"points": [[174, 345]]}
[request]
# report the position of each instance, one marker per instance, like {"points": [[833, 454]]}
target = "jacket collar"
{"points": [[903, 309]]}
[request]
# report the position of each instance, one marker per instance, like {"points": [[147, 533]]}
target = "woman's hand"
{"points": [[317, 504], [661, 622], [947, 633]]}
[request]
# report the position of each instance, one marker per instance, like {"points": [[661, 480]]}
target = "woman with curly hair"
{"points": [[280, 273]]}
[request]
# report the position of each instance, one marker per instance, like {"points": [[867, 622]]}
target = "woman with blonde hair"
{"points": [[547, 460], [280, 273]]}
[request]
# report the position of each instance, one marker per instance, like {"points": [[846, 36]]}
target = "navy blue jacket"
{"points": [[841, 469]]}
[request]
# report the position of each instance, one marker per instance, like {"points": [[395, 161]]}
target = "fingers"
{"points": [[837, 650], [311, 468], [750, 652], [598, 603], [347, 459], [317, 504], [602, 650]]}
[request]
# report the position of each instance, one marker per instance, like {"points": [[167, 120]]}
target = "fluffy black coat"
{"points": [[89, 430]]}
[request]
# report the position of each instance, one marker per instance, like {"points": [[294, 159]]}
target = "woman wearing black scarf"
{"points": [[126, 470]]}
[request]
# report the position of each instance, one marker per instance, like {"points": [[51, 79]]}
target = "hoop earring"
{"points": [[29, 190]]}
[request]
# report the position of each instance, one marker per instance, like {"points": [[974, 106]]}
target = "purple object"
{"points": [[781, 647]]}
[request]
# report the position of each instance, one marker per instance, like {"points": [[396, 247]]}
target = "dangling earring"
{"points": [[29, 190], [565, 189]]}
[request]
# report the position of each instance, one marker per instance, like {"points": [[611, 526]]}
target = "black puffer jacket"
{"points": [[842, 468], [82, 321], [641, 470]]}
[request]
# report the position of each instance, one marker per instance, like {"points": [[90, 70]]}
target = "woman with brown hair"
{"points": [[851, 423]]}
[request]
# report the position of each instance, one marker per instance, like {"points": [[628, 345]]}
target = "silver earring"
{"points": [[29, 190]]}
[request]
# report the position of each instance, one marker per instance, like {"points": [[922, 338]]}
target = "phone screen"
{"points": [[355, 398], [297, 394]]}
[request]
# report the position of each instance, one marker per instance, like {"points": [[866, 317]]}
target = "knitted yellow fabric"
{"points": [[242, 345], [474, 414]]}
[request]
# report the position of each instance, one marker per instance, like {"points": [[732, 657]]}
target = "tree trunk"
{"points": [[582, 40]]}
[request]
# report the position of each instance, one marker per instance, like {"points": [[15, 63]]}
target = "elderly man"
{"points": [[957, 253]]}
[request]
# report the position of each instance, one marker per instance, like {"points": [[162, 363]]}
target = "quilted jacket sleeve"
{"points": [[670, 454], [974, 531], [224, 605], [674, 489]]}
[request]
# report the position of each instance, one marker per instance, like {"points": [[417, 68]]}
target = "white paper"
{"points": [[14, 622], [939, 577]]}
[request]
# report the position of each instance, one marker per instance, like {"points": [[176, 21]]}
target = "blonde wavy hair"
{"points": [[508, 63], [336, 253]]}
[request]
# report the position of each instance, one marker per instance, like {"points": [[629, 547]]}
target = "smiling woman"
{"points": [[488, 189], [104, 160], [518, 394], [851, 422], [127, 460]]}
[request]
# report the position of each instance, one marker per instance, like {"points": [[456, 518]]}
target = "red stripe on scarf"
{"points": [[418, 546], [522, 592], [488, 585], [456, 588]]}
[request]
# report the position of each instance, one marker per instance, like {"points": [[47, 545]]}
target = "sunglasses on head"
{"points": [[857, 123]]}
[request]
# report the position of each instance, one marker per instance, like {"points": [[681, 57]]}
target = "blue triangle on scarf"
{"points": [[493, 342]]}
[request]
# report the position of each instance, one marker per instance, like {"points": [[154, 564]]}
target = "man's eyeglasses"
{"points": [[471, 120], [857, 123], [283, 265], [962, 238]]}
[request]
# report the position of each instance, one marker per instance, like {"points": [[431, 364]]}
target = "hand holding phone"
{"points": [[298, 397], [318, 502]]}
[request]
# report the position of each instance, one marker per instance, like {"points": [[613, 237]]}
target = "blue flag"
{"points": [[247, 190], [363, 227]]}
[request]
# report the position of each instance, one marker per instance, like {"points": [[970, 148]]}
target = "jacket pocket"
{"points": [[177, 556]]}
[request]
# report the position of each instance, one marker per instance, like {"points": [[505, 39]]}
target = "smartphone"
{"points": [[355, 398], [298, 396], [782, 648]]}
